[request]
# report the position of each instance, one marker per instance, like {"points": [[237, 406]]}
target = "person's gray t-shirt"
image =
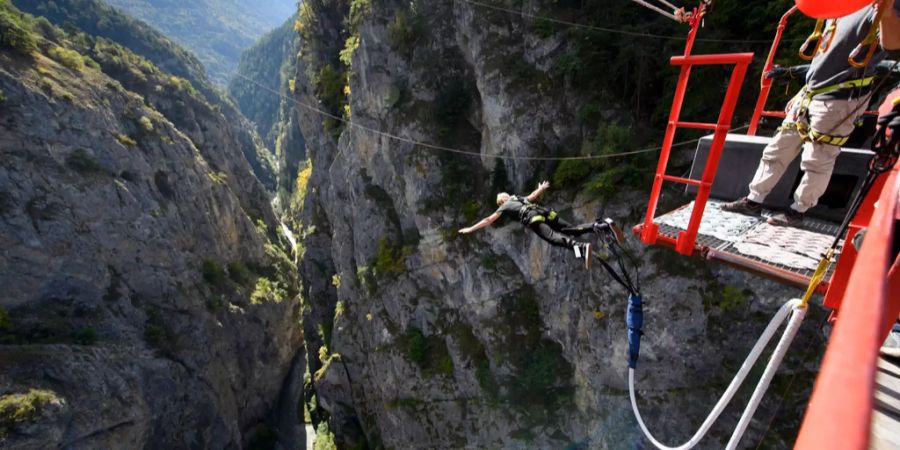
{"points": [[831, 67], [516, 208]]}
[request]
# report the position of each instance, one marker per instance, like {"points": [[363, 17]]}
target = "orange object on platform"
{"points": [[830, 9]]}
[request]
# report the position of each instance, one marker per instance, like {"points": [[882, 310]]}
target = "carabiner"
{"points": [[854, 55], [830, 32], [816, 37]]}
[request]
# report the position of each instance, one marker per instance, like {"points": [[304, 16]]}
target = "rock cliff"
{"points": [[100, 20], [418, 337], [149, 297]]}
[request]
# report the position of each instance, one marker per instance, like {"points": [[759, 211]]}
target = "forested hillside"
{"points": [[217, 31], [95, 18], [262, 88], [267, 63]]}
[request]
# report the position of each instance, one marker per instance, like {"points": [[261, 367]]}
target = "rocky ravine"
{"points": [[98, 19], [148, 297], [420, 338]]}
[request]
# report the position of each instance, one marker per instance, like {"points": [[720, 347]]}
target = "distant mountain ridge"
{"points": [[96, 18], [217, 31]]}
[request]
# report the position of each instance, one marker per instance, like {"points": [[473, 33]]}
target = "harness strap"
{"points": [[615, 276], [551, 216], [811, 135], [822, 138], [849, 84]]}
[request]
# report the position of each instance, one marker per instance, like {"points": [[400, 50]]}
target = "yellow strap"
{"points": [[811, 135], [823, 138], [552, 215], [817, 277], [536, 219], [861, 82]]}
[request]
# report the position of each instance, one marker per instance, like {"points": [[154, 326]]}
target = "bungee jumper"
{"points": [[822, 115], [549, 226], [546, 222]]}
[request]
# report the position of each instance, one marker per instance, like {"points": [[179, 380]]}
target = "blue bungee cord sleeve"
{"points": [[635, 321]]}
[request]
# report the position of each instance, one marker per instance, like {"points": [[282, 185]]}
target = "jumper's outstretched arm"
{"points": [[542, 186], [481, 223]]}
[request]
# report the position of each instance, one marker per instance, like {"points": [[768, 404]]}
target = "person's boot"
{"points": [[789, 218], [742, 205]]}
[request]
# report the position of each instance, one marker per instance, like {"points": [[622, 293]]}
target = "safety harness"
{"points": [[810, 134], [817, 43], [543, 214]]}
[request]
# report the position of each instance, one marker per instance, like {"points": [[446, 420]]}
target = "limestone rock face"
{"points": [[145, 282], [419, 337]]}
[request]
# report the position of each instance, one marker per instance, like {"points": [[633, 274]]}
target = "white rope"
{"points": [[774, 361], [427, 145], [617, 30], [664, 2], [657, 9]]}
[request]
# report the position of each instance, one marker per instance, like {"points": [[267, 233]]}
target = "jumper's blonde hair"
{"points": [[502, 198]]}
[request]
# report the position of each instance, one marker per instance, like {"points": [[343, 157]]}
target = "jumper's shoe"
{"points": [[789, 218], [891, 346], [742, 205], [587, 256], [577, 249]]}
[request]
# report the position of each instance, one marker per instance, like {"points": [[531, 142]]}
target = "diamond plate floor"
{"points": [[752, 241]]}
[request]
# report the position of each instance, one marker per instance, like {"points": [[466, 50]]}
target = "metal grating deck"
{"points": [[786, 253], [885, 431]]}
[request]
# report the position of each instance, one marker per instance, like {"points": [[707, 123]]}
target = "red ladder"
{"points": [[685, 243]]}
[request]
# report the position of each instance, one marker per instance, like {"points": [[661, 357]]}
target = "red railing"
{"points": [[684, 244], [840, 410], [766, 83]]}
